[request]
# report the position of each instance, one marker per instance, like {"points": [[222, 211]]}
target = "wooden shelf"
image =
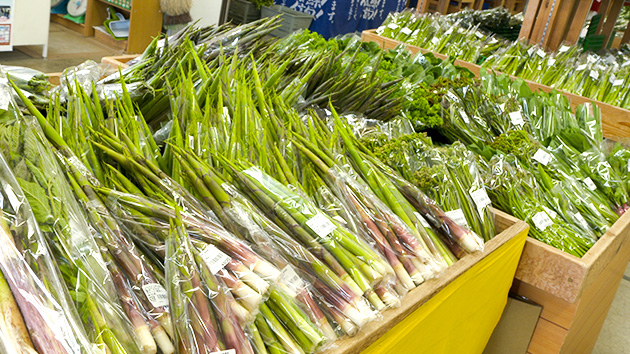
{"points": [[77, 27], [145, 19]]}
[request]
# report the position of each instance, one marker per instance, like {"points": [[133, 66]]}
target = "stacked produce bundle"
{"points": [[211, 198], [497, 20], [604, 76]]}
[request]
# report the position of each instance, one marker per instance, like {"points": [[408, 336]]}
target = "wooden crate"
{"points": [[119, 61], [576, 293], [615, 125], [454, 313]]}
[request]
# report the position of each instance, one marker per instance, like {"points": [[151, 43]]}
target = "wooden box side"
{"points": [[509, 228], [119, 61]]}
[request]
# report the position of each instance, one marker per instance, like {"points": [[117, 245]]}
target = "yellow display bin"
{"points": [[454, 313]]}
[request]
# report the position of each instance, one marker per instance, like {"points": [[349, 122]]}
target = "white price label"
{"points": [[618, 82], [628, 165], [564, 48], [493, 40], [589, 183], [580, 219], [406, 31], [380, 29], [458, 217], [481, 199], [552, 214], [415, 33], [594, 74], [479, 34], [531, 51], [612, 78], [502, 107], [541, 53], [465, 117], [581, 67], [214, 258], [542, 156], [392, 26], [542, 221], [321, 225], [291, 279], [449, 31], [551, 62], [156, 294], [227, 351], [516, 118], [435, 40]]}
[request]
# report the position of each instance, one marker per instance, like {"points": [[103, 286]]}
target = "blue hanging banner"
{"points": [[335, 17]]}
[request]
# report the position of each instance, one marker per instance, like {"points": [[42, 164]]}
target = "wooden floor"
{"points": [[65, 48]]}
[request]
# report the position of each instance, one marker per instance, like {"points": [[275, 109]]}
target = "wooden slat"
{"points": [[577, 23], [547, 338], [119, 61], [603, 10], [611, 19], [544, 12], [561, 20], [418, 296], [529, 19], [626, 35]]}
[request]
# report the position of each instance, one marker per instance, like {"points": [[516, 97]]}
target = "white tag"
{"points": [[552, 214], [563, 49], [612, 78], [380, 29], [435, 40], [415, 33], [227, 351], [392, 26], [465, 117], [449, 31], [618, 82], [628, 165], [551, 62], [291, 279], [531, 50], [516, 118], [452, 96], [481, 199], [589, 183], [541, 53], [594, 74], [479, 34], [422, 220], [214, 258], [493, 40], [542, 221], [581, 67], [502, 106], [321, 225], [581, 220], [542, 156], [156, 294], [406, 31], [458, 217]]}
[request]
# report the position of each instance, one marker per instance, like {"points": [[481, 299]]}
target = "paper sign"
{"points": [[516, 118], [542, 156], [291, 279], [589, 183], [458, 217], [542, 221]]}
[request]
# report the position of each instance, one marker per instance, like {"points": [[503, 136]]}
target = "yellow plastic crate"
{"points": [[455, 313]]}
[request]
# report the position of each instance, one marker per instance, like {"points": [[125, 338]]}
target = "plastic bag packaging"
{"points": [[27, 79], [514, 190], [361, 265], [84, 75]]}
